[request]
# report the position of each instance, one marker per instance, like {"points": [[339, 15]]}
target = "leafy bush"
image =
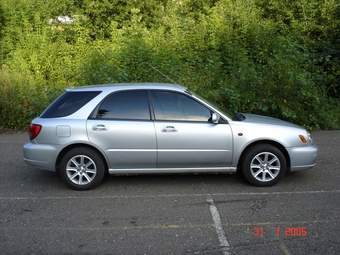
{"points": [[267, 57]]}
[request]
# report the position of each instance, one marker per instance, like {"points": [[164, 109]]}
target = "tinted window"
{"points": [[68, 103], [125, 105], [175, 106]]}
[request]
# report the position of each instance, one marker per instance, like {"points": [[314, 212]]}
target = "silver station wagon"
{"points": [[160, 128]]}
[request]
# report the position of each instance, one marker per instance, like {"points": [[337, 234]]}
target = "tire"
{"points": [[82, 168], [264, 165]]}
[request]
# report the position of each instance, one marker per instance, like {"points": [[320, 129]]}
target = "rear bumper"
{"points": [[41, 156], [303, 158]]}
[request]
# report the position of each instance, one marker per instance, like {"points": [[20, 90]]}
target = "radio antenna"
{"points": [[154, 68]]}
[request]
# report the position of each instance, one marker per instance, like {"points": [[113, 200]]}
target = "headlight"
{"points": [[309, 136]]}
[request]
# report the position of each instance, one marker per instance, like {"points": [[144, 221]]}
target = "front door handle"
{"points": [[100, 127], [168, 129]]}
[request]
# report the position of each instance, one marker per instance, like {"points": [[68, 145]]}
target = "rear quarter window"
{"points": [[68, 103]]}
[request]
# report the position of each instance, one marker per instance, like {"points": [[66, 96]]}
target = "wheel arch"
{"points": [[77, 145], [273, 143]]}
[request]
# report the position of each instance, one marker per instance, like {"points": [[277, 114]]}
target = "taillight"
{"points": [[34, 131]]}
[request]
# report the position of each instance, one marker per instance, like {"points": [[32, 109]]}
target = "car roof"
{"points": [[133, 85]]}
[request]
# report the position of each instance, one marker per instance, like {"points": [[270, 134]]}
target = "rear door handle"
{"points": [[100, 127], [168, 129]]}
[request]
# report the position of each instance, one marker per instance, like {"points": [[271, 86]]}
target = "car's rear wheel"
{"points": [[82, 168], [264, 165]]}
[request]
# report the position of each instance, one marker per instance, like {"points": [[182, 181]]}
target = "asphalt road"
{"points": [[170, 214]]}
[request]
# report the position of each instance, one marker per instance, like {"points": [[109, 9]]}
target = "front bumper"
{"points": [[303, 158]]}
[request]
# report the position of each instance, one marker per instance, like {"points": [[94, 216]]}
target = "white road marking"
{"points": [[224, 244], [177, 195]]}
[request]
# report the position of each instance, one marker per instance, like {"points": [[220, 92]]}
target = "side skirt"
{"points": [[173, 170]]}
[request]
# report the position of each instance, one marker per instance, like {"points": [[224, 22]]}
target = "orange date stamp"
{"points": [[287, 231]]}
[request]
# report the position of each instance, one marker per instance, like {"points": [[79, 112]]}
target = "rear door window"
{"points": [[68, 103], [132, 105]]}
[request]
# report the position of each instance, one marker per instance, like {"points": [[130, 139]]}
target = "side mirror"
{"points": [[215, 118]]}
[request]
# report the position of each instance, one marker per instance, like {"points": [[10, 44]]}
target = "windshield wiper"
{"points": [[239, 116]]}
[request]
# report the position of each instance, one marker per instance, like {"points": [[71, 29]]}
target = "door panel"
{"points": [[122, 127], [127, 144], [186, 137], [194, 145]]}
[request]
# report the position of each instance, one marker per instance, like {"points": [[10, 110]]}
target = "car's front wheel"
{"points": [[82, 168], [264, 165]]}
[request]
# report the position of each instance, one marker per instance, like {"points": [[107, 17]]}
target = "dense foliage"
{"points": [[268, 57]]}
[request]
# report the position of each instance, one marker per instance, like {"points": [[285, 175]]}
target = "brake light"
{"points": [[34, 131]]}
